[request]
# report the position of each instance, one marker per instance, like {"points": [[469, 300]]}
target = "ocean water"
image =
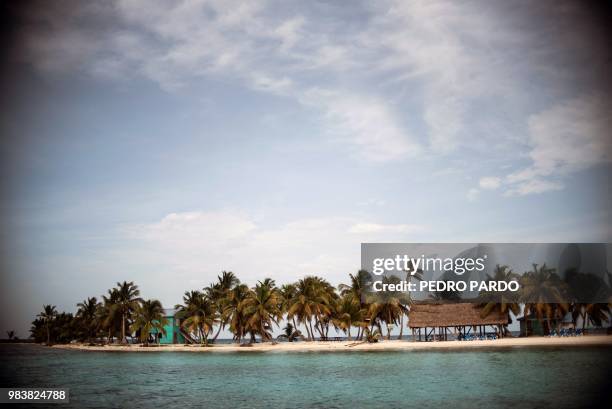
{"points": [[510, 378]]}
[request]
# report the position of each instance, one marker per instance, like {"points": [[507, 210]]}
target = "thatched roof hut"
{"points": [[429, 314]]}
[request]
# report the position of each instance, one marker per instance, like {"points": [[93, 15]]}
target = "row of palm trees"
{"points": [[548, 298], [120, 311], [311, 303], [247, 312]]}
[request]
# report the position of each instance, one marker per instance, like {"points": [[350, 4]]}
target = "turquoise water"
{"points": [[538, 378]]}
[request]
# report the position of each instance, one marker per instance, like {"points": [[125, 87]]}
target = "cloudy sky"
{"points": [[164, 142]]}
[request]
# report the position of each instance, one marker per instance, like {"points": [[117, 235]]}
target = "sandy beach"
{"points": [[394, 345]]}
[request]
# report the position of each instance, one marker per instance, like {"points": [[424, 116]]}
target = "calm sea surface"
{"points": [[535, 378]]}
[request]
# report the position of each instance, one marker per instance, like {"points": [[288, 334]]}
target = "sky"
{"points": [[164, 142]]}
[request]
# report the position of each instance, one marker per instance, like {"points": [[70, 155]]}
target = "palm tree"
{"points": [[372, 336], [288, 292], [269, 283], [37, 330], [290, 333], [48, 314], [87, 314], [359, 287], [412, 273], [545, 295], [593, 313], [386, 307], [233, 310], [348, 313], [506, 302], [11, 335], [313, 299], [197, 315], [108, 314], [126, 303], [149, 317], [218, 292], [64, 328], [325, 301], [587, 286], [300, 306], [262, 309]]}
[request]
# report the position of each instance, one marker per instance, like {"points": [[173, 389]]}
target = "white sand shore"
{"points": [[595, 340]]}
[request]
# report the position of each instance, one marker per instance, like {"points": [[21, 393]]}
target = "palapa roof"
{"points": [[428, 314]]}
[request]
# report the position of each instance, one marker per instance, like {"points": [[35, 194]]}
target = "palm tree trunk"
{"points": [[349, 332], [218, 331], [123, 339], [311, 330], [318, 327], [294, 325], [401, 326], [307, 331], [48, 335]]}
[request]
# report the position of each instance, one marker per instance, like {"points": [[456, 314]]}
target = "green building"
{"points": [[173, 333], [530, 325]]}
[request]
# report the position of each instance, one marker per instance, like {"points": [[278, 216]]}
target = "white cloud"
{"points": [[374, 202], [194, 242], [279, 86], [533, 186], [368, 123], [197, 231], [267, 54], [286, 53], [571, 136], [565, 138], [472, 194], [453, 52], [568, 137], [413, 78], [490, 182], [385, 228], [289, 32]]}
